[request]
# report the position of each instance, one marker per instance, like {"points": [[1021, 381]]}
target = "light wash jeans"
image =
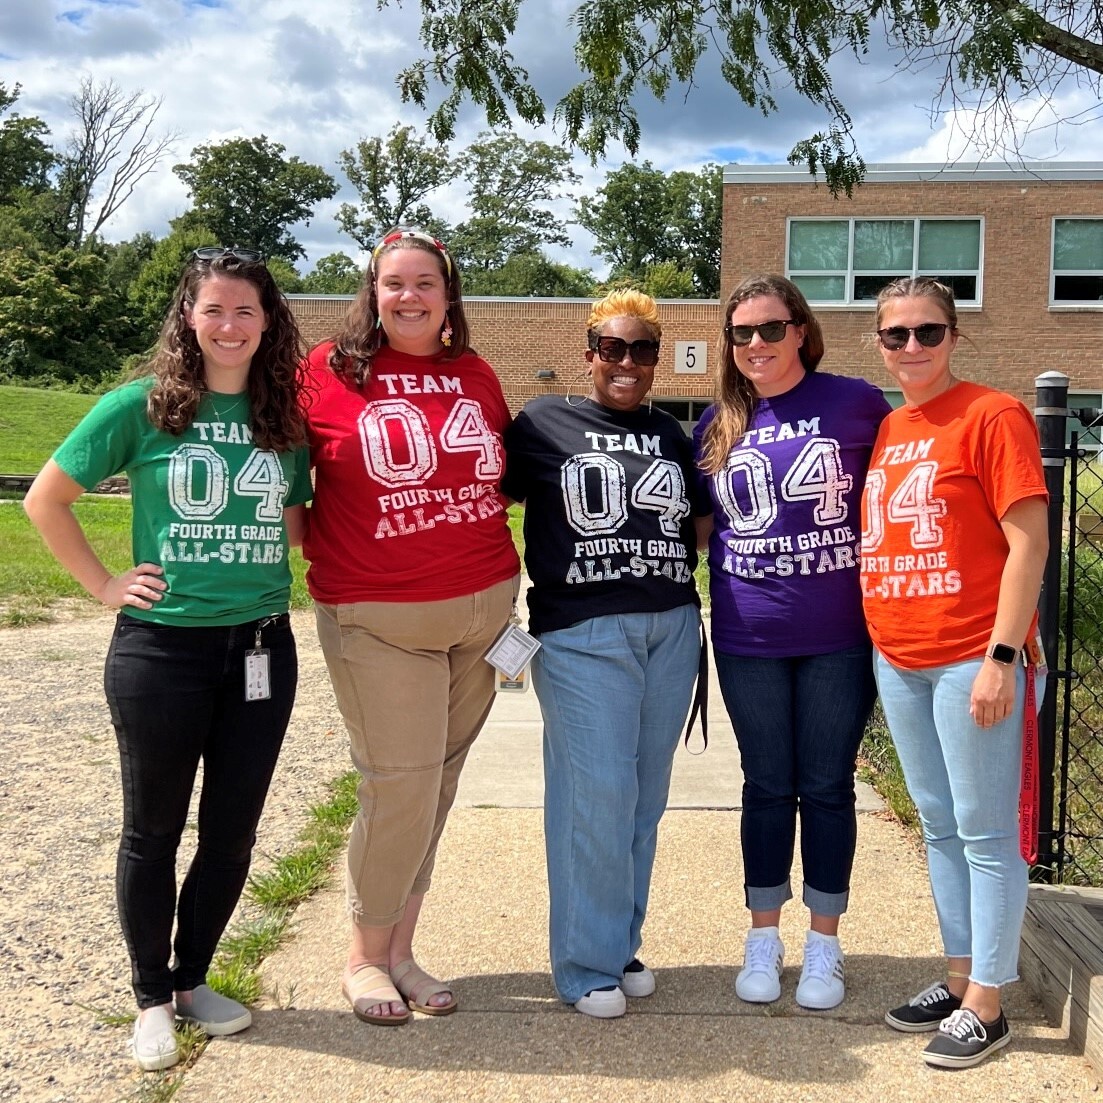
{"points": [[965, 783], [614, 692]]}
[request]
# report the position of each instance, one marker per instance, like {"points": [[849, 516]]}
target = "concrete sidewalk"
{"points": [[484, 928]]}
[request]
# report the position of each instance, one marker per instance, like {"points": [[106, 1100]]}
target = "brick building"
{"points": [[1022, 247]]}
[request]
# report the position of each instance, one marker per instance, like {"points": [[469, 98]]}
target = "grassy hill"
{"points": [[33, 422]]}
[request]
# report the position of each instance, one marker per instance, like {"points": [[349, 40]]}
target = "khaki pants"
{"points": [[414, 690]]}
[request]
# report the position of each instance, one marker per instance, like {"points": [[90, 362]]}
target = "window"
{"points": [[841, 260], [1077, 273]]}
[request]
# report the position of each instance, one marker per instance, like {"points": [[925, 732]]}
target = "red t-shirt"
{"points": [[942, 476], [406, 501]]}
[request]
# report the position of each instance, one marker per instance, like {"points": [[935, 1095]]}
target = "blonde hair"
{"points": [[919, 287], [735, 396], [625, 302]]}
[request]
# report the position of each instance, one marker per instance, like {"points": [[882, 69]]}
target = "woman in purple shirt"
{"points": [[785, 453]]}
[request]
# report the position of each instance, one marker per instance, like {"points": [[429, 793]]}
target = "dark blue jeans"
{"points": [[798, 722], [177, 696]]}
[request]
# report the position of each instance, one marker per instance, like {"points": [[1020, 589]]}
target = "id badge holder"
{"points": [[509, 654], [258, 681]]}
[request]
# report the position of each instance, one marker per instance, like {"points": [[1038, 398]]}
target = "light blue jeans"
{"points": [[614, 692], [965, 783]]}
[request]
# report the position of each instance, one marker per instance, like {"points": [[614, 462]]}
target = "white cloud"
{"points": [[319, 77]]}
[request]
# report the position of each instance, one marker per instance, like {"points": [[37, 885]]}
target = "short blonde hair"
{"points": [[626, 302]]}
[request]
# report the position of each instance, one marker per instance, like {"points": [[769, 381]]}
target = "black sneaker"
{"points": [[963, 1040], [925, 1011]]}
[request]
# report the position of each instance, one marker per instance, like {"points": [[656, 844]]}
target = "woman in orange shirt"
{"points": [[954, 543]]}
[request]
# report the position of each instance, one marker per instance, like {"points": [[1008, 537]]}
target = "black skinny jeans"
{"points": [[177, 695]]}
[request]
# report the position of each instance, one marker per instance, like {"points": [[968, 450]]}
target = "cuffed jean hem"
{"points": [[826, 903], [767, 899]]}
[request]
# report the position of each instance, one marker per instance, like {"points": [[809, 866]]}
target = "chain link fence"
{"points": [[1078, 776]]}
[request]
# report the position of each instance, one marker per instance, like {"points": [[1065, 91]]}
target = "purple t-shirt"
{"points": [[783, 555]]}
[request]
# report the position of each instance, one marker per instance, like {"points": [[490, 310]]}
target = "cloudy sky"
{"points": [[319, 76]]}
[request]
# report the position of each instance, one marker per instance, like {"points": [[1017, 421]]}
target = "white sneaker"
{"points": [[638, 980], [603, 1004], [759, 980], [821, 984], [154, 1042]]}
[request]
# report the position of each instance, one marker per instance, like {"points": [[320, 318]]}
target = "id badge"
{"points": [[1036, 654], [511, 651], [258, 683], [503, 683]]}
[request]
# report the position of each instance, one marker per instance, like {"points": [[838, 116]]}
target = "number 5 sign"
{"points": [[691, 358]]}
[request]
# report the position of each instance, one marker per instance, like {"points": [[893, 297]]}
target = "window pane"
{"points": [[963, 287], [868, 287], [883, 245], [822, 289], [817, 246], [948, 244], [1078, 243], [1078, 289]]}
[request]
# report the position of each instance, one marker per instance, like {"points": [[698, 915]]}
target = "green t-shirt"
{"points": [[208, 504]]}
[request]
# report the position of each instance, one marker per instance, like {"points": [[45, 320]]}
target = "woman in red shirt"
{"points": [[414, 574]]}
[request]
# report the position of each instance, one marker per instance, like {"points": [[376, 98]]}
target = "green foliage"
{"points": [[334, 274], [643, 218], [151, 293], [1002, 50], [286, 275], [248, 193], [25, 157], [393, 176], [881, 768], [60, 319], [530, 274], [512, 181]]}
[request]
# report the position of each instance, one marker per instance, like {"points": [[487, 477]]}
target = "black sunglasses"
{"points": [[930, 335], [768, 331], [611, 350], [216, 252]]}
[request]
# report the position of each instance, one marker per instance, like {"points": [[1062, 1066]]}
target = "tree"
{"points": [[60, 320], [642, 217], [392, 177], [530, 274], [151, 292], [25, 157], [999, 50], [512, 181], [112, 148], [335, 274], [247, 193]]}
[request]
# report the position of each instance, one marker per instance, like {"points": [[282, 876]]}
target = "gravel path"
{"points": [[62, 959]]}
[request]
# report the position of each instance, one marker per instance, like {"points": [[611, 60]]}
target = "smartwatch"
{"points": [[1002, 653]]}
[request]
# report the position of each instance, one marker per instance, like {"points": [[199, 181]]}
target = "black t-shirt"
{"points": [[610, 499]]}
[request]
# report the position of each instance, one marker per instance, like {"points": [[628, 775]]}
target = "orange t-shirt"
{"points": [[933, 550]]}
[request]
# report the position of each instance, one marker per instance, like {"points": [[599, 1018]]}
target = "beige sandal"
{"points": [[418, 988], [371, 986]]}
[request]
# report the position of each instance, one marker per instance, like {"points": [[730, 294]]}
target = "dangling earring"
{"points": [[446, 333]]}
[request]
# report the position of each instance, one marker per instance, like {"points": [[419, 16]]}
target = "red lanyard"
{"points": [[1029, 789]]}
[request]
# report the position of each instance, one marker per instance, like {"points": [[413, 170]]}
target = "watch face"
{"points": [[1003, 653]]}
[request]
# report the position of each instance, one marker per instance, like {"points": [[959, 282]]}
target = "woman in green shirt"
{"points": [[202, 664]]}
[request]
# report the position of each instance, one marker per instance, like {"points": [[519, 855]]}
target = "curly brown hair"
{"points": [[276, 375], [735, 395], [362, 335]]}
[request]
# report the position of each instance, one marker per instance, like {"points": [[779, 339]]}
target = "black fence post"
{"points": [[1051, 391]]}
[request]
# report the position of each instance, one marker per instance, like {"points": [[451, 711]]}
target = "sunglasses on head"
{"points": [[216, 252], [768, 331], [611, 350], [415, 235], [929, 335]]}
